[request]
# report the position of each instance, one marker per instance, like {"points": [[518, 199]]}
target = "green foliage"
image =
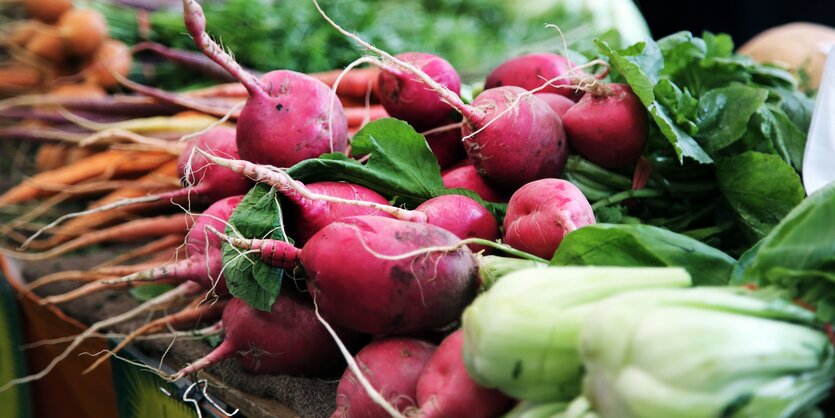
{"points": [[248, 278], [644, 246]]}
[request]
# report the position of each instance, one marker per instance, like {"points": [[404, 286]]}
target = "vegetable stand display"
{"points": [[609, 228]]}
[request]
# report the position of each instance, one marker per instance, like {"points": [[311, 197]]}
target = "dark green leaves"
{"points": [[401, 166], [761, 189], [724, 114], [643, 245], [248, 278], [799, 254]]}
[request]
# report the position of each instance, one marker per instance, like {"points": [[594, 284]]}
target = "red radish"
{"points": [[408, 99], [203, 265], [531, 71], [467, 177], [463, 216], [445, 143], [541, 213], [287, 340], [421, 291], [392, 366], [307, 216], [608, 126], [512, 136], [288, 117], [525, 145], [445, 389], [559, 104]]}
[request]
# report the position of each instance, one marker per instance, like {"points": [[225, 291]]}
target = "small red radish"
{"points": [[307, 216], [533, 70], [421, 290], [511, 136], [467, 177], [446, 144], [445, 389], [210, 182], [408, 99], [559, 104], [463, 216], [287, 340], [525, 144], [288, 117], [392, 366], [541, 213], [608, 126]]}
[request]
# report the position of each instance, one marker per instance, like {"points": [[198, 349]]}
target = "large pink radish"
{"points": [[422, 289]]}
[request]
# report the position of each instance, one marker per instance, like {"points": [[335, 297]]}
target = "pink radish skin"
{"points": [[421, 291], [392, 366], [212, 182], [541, 213], [533, 70], [306, 217], [445, 390], [525, 144], [311, 119], [609, 129], [463, 216], [467, 177], [559, 104], [408, 99], [287, 340], [447, 146]]}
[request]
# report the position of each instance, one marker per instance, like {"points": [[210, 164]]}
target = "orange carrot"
{"points": [[84, 224], [105, 164], [126, 232], [19, 78], [47, 10], [354, 84], [357, 115], [50, 156]]}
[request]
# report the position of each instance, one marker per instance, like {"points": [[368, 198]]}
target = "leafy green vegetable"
{"points": [[724, 114], [799, 254], [247, 277], [644, 246], [761, 188]]}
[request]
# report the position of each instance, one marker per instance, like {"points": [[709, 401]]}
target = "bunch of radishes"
{"points": [[381, 270]]}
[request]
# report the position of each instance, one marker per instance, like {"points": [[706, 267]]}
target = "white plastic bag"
{"points": [[819, 156]]}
